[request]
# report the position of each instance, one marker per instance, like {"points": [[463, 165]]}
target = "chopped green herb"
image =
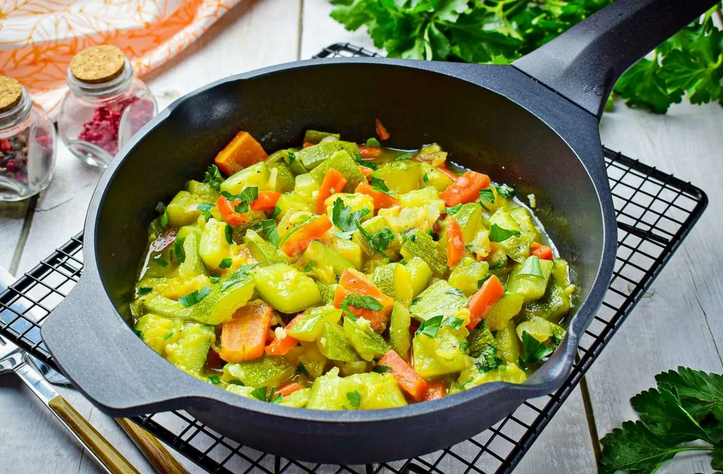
{"points": [[497, 266], [178, 250], [430, 326], [214, 279], [309, 266], [226, 262], [214, 379], [368, 164], [345, 220], [275, 212], [195, 296], [138, 333], [163, 218], [534, 351], [463, 346], [247, 196], [344, 305], [144, 290], [425, 178], [168, 336], [205, 208], [505, 191], [272, 397], [364, 302], [488, 359], [532, 267], [381, 369], [379, 241], [406, 156], [228, 231], [454, 322], [454, 210], [292, 157], [354, 399], [381, 185], [498, 234], [269, 228], [301, 370], [486, 196], [213, 177]]}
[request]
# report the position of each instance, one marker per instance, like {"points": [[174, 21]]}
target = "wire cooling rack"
{"points": [[655, 212]]}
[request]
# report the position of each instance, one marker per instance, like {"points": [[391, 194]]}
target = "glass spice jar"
{"points": [[105, 104], [27, 144]]}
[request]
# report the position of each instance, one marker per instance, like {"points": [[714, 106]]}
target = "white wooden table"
{"points": [[679, 324]]}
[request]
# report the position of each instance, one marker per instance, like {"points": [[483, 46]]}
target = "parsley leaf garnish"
{"points": [[354, 399], [532, 267], [144, 290], [275, 212], [195, 296], [486, 196], [205, 208], [425, 178], [368, 164], [247, 196], [228, 232], [379, 241], [292, 157], [498, 234], [487, 360], [380, 185], [364, 302], [505, 191], [454, 322], [345, 220], [163, 218], [214, 379], [225, 263], [534, 351], [381, 369], [213, 177], [272, 397], [269, 228], [301, 370], [430, 326], [309, 267], [168, 336], [454, 210]]}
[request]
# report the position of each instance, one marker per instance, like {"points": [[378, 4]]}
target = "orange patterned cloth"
{"points": [[38, 38]]}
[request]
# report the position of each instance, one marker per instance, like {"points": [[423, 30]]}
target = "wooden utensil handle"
{"points": [[111, 459], [157, 454]]}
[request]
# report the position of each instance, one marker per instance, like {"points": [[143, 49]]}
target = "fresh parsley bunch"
{"points": [[684, 413], [500, 31]]}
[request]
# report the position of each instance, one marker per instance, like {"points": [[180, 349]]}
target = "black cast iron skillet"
{"points": [[533, 124]]}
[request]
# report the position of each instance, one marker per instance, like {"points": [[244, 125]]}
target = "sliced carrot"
{"points": [[381, 131], [381, 199], [541, 251], [242, 151], [302, 236], [226, 208], [280, 347], [308, 144], [465, 189], [366, 171], [455, 243], [289, 388], [436, 390], [333, 182], [481, 302], [409, 381], [244, 336], [369, 151], [266, 201], [353, 282]]}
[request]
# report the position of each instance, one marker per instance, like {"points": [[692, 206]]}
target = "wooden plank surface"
{"points": [[676, 325]]}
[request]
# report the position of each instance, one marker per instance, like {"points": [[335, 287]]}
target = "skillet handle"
{"points": [[108, 363], [584, 63]]}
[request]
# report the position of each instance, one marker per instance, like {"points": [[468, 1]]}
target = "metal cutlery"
{"points": [[14, 359]]}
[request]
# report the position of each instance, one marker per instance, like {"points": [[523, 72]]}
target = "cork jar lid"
{"points": [[98, 64], [10, 93]]}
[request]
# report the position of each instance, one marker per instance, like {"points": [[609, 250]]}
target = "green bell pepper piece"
{"points": [[285, 288]]}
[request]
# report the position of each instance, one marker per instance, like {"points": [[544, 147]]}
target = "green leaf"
{"points": [[505, 191], [498, 234], [225, 263], [700, 393], [380, 185], [454, 322], [488, 359], [205, 208], [168, 336], [364, 302], [430, 326], [345, 220], [214, 279], [214, 379], [381, 369], [636, 449], [261, 394], [717, 461], [532, 267], [487, 196], [534, 350], [663, 414], [269, 228], [163, 218], [309, 267], [642, 86], [213, 177], [454, 210], [228, 232], [354, 398], [292, 158], [144, 290], [195, 296], [379, 241], [179, 250], [245, 198], [301, 370], [275, 212]]}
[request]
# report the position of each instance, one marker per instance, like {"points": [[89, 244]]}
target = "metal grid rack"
{"points": [[655, 212]]}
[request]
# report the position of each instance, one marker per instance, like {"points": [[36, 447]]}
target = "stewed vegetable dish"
{"points": [[339, 276]]}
